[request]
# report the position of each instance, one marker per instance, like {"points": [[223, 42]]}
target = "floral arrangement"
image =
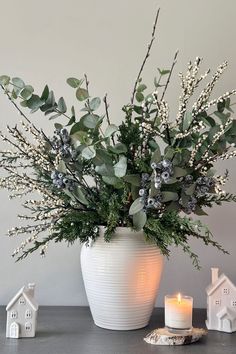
{"points": [[148, 173]]}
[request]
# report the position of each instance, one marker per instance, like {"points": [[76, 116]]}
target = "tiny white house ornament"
{"points": [[22, 313], [221, 303]]}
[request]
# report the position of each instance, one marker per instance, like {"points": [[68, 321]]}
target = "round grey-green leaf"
{"points": [[88, 152], [136, 206], [90, 121], [81, 94], [73, 82], [110, 130], [95, 103], [139, 220], [26, 92], [4, 80], [62, 105], [169, 196], [120, 167]]}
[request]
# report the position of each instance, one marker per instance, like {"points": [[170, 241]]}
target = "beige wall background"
{"points": [[48, 41]]}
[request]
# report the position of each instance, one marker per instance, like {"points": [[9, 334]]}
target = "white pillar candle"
{"points": [[178, 312]]}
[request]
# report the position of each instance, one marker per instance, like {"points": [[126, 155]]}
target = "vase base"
{"points": [[120, 328]]}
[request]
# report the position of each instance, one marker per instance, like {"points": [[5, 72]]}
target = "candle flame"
{"points": [[179, 298]]}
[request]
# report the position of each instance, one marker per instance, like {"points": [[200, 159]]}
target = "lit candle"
{"points": [[178, 312]]}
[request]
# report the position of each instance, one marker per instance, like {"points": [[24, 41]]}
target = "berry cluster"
{"points": [[61, 144], [162, 172], [147, 200], [61, 181], [204, 185]]}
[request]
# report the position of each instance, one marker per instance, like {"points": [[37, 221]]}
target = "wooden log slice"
{"points": [[162, 336]]}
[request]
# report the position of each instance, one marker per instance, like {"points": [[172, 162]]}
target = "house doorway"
{"points": [[226, 325], [14, 330]]}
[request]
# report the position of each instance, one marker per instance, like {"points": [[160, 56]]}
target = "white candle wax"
{"points": [[178, 311]]}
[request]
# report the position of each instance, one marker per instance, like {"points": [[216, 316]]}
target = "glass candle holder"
{"points": [[178, 313]]}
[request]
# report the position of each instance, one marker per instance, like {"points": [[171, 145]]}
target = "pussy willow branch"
{"points": [[107, 115], [146, 56], [169, 76]]}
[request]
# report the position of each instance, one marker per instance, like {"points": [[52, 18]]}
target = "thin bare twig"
{"points": [[107, 115], [169, 76], [146, 56], [18, 109]]}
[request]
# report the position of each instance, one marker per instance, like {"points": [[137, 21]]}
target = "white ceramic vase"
{"points": [[121, 279]]}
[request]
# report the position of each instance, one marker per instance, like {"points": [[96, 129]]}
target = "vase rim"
{"points": [[120, 229]]}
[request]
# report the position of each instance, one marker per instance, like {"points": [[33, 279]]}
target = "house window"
{"points": [[28, 326], [14, 314], [28, 314], [22, 301], [217, 302], [233, 303], [225, 291]]}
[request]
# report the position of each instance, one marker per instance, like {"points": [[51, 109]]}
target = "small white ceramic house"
{"points": [[221, 303], [22, 313]]}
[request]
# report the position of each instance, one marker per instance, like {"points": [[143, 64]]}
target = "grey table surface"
{"points": [[69, 330]]}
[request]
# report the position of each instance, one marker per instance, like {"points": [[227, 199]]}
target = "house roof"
{"points": [[29, 298], [226, 311], [212, 287]]}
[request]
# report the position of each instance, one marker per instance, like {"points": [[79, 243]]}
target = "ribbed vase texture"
{"points": [[121, 279]]}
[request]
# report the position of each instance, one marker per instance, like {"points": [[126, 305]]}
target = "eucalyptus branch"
{"points": [[146, 56]]}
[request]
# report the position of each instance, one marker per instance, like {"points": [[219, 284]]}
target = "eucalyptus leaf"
{"points": [[82, 137], [141, 88], [90, 120], [114, 181], [81, 94], [110, 130], [199, 211], [156, 156], [27, 92], [18, 85], [75, 128], [45, 93], [163, 71], [139, 96], [54, 116], [73, 82], [34, 102], [58, 126], [71, 121], [119, 148], [102, 156], [190, 190], [121, 166], [105, 170], [61, 167], [95, 103], [179, 172], [187, 120], [169, 196], [133, 179], [88, 152], [4, 80], [80, 196], [136, 206], [139, 220], [62, 105], [169, 153]]}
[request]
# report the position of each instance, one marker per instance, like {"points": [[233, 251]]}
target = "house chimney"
{"points": [[214, 275], [31, 288]]}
